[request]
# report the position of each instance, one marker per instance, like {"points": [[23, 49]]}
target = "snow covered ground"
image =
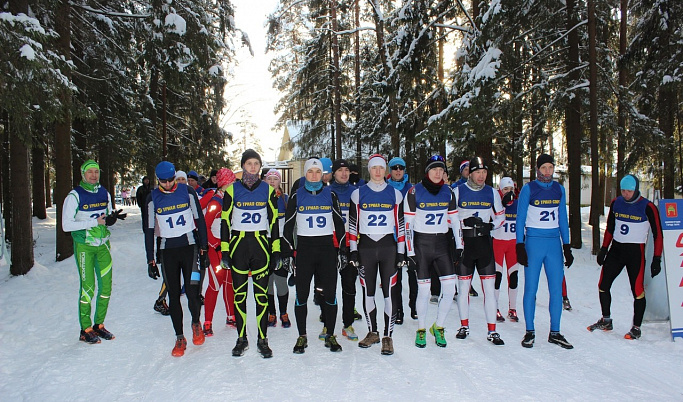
{"points": [[42, 359]]}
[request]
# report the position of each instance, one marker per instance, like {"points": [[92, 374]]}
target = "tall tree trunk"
{"points": [[6, 179], [387, 70], [622, 93], [356, 65], [62, 149], [38, 164], [596, 199], [22, 225], [337, 81], [573, 129], [48, 185]]}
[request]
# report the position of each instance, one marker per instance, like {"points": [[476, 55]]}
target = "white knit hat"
{"points": [[313, 163], [376, 160], [506, 182]]}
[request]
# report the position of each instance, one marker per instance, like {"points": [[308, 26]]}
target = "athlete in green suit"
{"points": [[86, 213]]}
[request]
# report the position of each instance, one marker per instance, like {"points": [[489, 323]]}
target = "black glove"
{"points": [[457, 256], [342, 260], [203, 258], [112, 217], [508, 197], [401, 261], [656, 266], [521, 254], [225, 260], [601, 255], [412, 262], [353, 258], [274, 260], [286, 264], [568, 257], [153, 270], [473, 221]]}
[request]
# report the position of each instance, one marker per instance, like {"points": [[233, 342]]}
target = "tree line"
{"points": [[125, 82], [595, 83]]}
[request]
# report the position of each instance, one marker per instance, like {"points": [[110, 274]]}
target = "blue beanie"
{"points": [[193, 175], [629, 183], [397, 161], [165, 170], [327, 165]]}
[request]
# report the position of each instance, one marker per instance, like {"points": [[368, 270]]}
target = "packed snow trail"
{"points": [[42, 359]]}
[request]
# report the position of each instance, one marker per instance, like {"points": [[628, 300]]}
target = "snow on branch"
{"points": [[108, 13]]}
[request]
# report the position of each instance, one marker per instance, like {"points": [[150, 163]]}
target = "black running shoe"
{"points": [[529, 338], [241, 346], [263, 348], [161, 307], [331, 342], [494, 338], [413, 314], [291, 281], [604, 324], [356, 315], [89, 337], [634, 333], [102, 332], [499, 316], [558, 339], [565, 304], [462, 333], [399, 317], [301, 345], [473, 292]]}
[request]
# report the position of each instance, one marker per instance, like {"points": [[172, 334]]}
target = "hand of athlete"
{"points": [[286, 264], [568, 256], [601, 255], [508, 198], [457, 256], [225, 260], [472, 221], [274, 260], [112, 217], [656, 266], [203, 258], [401, 261], [412, 262], [522, 258], [353, 258], [153, 270], [342, 260], [102, 220]]}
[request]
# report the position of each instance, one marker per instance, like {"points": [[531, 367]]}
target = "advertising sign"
{"points": [[671, 214]]}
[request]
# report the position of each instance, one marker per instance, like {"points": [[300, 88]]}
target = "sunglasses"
{"points": [[164, 181], [398, 167], [437, 158]]}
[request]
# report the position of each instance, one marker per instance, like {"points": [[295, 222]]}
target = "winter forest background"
{"points": [[130, 83]]}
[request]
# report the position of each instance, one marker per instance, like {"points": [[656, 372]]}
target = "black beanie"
{"points": [[544, 158], [477, 163], [353, 167], [338, 164], [214, 172], [250, 154]]}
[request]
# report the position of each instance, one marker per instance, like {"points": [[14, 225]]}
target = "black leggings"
{"points": [[348, 284], [250, 253], [321, 262], [432, 253], [177, 261], [478, 253], [633, 257], [379, 257]]}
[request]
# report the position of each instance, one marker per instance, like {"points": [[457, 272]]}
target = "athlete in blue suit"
{"points": [[541, 224]]}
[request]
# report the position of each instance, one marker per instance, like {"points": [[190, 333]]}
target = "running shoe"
{"points": [[604, 324], [512, 315], [529, 338], [499, 316], [284, 320], [89, 336], [102, 332], [197, 333], [179, 348], [439, 336], [634, 333], [208, 329], [558, 339], [241, 346], [421, 338], [565, 304], [332, 344], [322, 334], [494, 338], [463, 332], [301, 345], [272, 320], [161, 307], [349, 333], [263, 348], [387, 346], [370, 339]]}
